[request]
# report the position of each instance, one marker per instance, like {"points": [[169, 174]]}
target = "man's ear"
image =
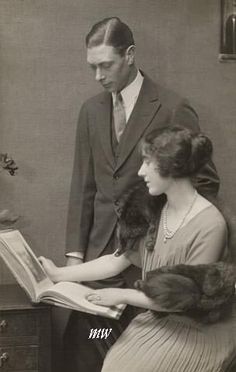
{"points": [[130, 54]]}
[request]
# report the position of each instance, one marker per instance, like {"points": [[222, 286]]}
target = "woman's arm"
{"points": [[115, 296], [100, 268]]}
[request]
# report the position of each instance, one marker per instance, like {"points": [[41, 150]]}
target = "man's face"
{"points": [[111, 69]]}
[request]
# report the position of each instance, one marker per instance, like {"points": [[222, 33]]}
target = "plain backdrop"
{"points": [[44, 79]]}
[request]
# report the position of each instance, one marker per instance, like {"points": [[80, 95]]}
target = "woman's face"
{"points": [[156, 184]]}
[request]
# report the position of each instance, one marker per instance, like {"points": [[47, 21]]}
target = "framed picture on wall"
{"points": [[228, 31]]}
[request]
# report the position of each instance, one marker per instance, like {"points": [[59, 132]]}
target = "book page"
{"points": [[72, 295], [20, 275], [29, 273], [19, 253]]}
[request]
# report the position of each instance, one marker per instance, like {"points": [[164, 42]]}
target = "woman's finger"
{"points": [[93, 297], [41, 259]]}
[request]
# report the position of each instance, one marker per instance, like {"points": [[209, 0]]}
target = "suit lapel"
{"points": [[145, 108], [104, 126]]}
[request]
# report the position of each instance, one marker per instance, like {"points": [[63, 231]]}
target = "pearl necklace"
{"points": [[168, 234]]}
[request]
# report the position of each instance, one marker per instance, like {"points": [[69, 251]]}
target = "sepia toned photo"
{"points": [[117, 166]]}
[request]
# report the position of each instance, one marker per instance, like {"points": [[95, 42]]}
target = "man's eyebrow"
{"points": [[100, 63]]}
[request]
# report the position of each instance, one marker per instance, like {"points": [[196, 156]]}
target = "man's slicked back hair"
{"points": [[112, 32]]}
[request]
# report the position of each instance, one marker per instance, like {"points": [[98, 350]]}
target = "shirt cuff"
{"points": [[79, 255]]}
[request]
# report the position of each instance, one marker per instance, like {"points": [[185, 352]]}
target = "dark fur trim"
{"points": [[204, 292], [139, 213]]}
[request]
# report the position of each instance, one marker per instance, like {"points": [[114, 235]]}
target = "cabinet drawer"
{"points": [[25, 333], [18, 324], [20, 358]]}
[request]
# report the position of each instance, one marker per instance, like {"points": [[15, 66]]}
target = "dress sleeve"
{"points": [[134, 253], [209, 244]]}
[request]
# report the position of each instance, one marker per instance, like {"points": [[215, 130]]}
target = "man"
{"points": [[106, 164]]}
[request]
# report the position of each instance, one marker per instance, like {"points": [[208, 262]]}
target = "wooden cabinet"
{"points": [[25, 333]]}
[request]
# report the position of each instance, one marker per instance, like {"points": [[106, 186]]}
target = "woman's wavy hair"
{"points": [[178, 151]]}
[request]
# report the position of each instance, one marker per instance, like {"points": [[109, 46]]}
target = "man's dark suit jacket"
{"points": [[100, 180]]}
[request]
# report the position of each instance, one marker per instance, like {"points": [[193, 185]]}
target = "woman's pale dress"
{"points": [[155, 342]]}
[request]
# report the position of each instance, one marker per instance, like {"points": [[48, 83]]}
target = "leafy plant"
{"points": [[7, 164]]}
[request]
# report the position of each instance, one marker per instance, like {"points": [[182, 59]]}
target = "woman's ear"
{"points": [[130, 55]]}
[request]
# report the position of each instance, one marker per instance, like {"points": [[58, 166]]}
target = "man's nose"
{"points": [[99, 75]]}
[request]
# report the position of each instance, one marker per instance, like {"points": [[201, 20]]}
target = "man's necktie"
{"points": [[119, 116]]}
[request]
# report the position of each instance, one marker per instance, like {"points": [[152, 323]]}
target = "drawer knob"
{"points": [[3, 324], [3, 358]]}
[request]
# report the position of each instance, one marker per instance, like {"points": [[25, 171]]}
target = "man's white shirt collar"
{"points": [[130, 94]]}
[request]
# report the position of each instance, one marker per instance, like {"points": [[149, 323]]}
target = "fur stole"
{"points": [[139, 215], [204, 292]]}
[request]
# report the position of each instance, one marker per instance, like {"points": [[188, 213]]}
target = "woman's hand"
{"points": [[50, 268], [107, 296]]}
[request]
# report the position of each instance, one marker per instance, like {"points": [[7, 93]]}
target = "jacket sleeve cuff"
{"points": [[79, 255]]}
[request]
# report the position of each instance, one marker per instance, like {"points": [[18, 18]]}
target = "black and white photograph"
{"points": [[118, 176]]}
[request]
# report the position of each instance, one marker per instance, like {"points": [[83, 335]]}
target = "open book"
{"points": [[30, 274]]}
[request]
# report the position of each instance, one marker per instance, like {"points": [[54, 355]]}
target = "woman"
{"points": [[191, 231]]}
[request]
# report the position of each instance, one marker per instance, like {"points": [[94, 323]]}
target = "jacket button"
{"points": [[116, 177], [116, 202]]}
